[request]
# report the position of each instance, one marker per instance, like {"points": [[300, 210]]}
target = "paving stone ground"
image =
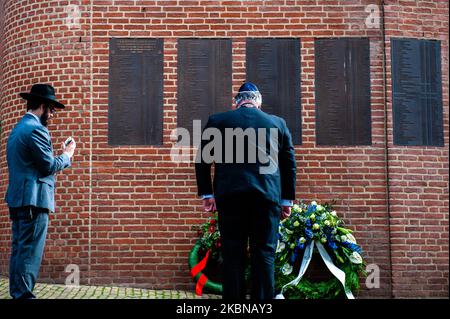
{"points": [[55, 291]]}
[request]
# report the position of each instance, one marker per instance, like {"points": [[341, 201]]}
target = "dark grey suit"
{"points": [[30, 196], [248, 201]]}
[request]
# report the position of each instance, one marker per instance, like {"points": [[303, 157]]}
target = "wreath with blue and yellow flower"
{"points": [[307, 223], [318, 223]]}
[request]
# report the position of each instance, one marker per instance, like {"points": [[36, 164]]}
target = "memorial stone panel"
{"points": [[204, 80], [417, 92], [135, 92], [274, 66], [342, 91]]}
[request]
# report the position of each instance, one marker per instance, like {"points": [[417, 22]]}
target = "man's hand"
{"points": [[285, 212], [209, 204], [69, 149]]}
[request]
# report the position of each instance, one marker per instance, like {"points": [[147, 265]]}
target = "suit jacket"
{"points": [[32, 166], [246, 178]]}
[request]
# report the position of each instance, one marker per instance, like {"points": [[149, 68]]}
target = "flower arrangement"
{"points": [[307, 224], [318, 223]]}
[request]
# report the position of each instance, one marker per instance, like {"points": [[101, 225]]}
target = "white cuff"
{"points": [[287, 202]]}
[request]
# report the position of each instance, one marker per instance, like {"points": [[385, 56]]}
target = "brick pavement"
{"points": [[57, 291]]}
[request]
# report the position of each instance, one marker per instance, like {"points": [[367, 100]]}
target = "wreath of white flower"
{"points": [[316, 222]]}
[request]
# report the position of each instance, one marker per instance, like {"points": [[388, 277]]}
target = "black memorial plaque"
{"points": [[342, 91], [135, 91], [274, 66], [417, 92], [204, 80]]}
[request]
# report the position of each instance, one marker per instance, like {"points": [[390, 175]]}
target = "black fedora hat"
{"points": [[43, 92]]}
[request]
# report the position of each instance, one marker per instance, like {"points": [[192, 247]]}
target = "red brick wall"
{"points": [[2, 25], [40, 48], [125, 213], [419, 175]]}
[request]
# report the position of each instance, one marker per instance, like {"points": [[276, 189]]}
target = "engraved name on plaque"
{"points": [[274, 66], [204, 80], [417, 92], [342, 91], [135, 92]]}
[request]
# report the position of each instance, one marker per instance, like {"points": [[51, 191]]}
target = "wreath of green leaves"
{"points": [[209, 239]]}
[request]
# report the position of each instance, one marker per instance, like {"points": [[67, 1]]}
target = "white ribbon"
{"points": [[307, 256]]}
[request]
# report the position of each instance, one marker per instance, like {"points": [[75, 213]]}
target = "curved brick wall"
{"points": [[40, 48], [126, 213]]}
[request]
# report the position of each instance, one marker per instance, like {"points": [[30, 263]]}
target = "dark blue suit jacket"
{"points": [[246, 177], [32, 166]]}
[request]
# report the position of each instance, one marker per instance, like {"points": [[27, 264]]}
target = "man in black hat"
{"points": [[250, 195], [31, 188]]}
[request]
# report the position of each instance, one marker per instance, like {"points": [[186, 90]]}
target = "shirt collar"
{"points": [[34, 115]]}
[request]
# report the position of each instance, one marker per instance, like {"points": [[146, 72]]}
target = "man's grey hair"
{"points": [[249, 95]]}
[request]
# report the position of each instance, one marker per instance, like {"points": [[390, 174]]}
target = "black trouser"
{"points": [[243, 219]]}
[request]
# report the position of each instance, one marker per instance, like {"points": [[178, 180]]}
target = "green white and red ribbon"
{"points": [[203, 279]]}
